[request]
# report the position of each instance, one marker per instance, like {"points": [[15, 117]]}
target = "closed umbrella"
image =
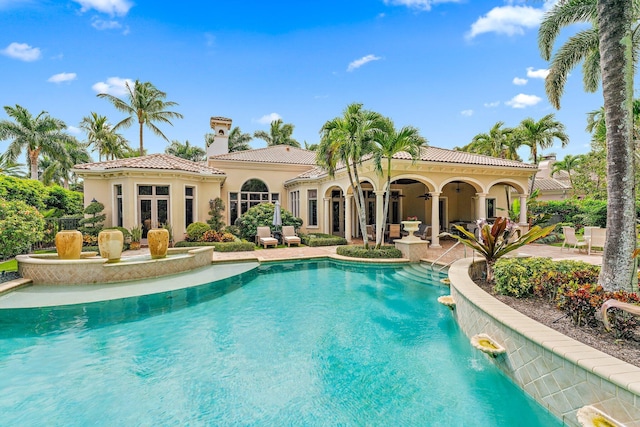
{"points": [[277, 216]]}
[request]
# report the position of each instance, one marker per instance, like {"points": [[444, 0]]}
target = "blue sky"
{"points": [[450, 68]]}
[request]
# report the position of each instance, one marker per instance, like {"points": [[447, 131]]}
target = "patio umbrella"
{"points": [[277, 216]]}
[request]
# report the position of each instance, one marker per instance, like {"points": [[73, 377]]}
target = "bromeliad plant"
{"points": [[498, 239]]}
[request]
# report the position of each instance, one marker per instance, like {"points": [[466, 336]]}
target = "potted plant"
{"points": [[136, 236]]}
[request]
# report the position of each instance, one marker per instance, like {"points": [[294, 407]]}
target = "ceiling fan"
{"points": [[425, 196]]}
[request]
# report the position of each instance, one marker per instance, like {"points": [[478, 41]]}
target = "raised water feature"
{"points": [[49, 269]]}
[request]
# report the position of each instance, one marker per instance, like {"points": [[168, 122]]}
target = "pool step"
{"points": [[420, 274]]}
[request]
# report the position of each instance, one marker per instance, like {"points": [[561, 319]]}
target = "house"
{"points": [[441, 188]]}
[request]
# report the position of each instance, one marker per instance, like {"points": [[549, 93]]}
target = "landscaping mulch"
{"points": [[548, 314], [7, 276]]}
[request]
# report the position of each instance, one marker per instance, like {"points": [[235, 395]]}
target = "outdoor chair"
{"points": [[264, 237], [394, 232], [424, 232], [570, 239], [289, 236], [596, 239], [371, 232]]}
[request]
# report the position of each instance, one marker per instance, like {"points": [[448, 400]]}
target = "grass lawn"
{"points": [[11, 265]]}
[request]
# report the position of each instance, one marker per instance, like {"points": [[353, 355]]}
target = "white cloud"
{"points": [[100, 24], [418, 4], [360, 62], [62, 77], [519, 81], [467, 113], [537, 74], [22, 51], [74, 130], [267, 119], [522, 101], [493, 104], [110, 7], [115, 86], [509, 20], [210, 39]]}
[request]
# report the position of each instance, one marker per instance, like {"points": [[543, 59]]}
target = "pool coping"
{"points": [[478, 312]]}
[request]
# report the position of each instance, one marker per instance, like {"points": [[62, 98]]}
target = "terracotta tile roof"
{"points": [[152, 161], [435, 154], [550, 184], [274, 154], [222, 119]]}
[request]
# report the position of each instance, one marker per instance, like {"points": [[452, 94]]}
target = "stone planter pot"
{"points": [[69, 244], [158, 240], [110, 243], [411, 227]]}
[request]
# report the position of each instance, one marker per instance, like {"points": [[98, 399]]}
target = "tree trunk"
{"points": [[614, 23], [141, 146], [33, 161], [362, 216]]}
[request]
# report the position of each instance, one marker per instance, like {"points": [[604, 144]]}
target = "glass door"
{"points": [[153, 206]]}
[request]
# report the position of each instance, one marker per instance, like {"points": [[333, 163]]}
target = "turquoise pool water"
{"points": [[309, 343]]}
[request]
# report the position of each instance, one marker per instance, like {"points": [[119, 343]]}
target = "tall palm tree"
{"points": [[146, 104], [582, 47], [344, 141], [387, 143], [541, 134], [239, 141], [279, 134], [186, 151], [568, 164], [617, 21], [103, 137], [499, 142], [38, 135]]}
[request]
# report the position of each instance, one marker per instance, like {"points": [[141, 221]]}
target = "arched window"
{"points": [[253, 192]]}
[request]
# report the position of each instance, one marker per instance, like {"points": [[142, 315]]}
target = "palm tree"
{"points": [[540, 134], [239, 141], [499, 142], [344, 141], [186, 151], [38, 135], [279, 134], [146, 104], [615, 21], [10, 168], [58, 171], [389, 142], [103, 137], [581, 47], [568, 164]]}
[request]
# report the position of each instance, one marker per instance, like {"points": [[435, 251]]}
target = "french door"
{"points": [[153, 207]]}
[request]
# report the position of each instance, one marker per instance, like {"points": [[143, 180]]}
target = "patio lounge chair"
{"points": [[424, 232], [289, 236], [570, 239], [394, 232], [596, 239], [264, 237], [371, 232]]}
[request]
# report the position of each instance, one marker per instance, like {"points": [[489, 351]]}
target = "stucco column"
{"points": [[348, 198], [523, 209], [481, 209], [435, 219], [327, 214], [379, 212]]}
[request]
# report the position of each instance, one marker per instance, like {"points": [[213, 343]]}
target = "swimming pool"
{"points": [[306, 343]]}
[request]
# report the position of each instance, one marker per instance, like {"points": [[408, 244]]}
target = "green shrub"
{"points": [[361, 252], [220, 246], [94, 222], [522, 277], [125, 233], [321, 239], [262, 216], [196, 230], [21, 226], [35, 193]]}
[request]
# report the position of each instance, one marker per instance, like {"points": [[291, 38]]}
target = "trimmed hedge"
{"points": [[219, 246], [361, 252], [321, 239]]}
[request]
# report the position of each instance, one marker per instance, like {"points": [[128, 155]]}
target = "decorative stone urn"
{"points": [[411, 227], [158, 240], [110, 243], [69, 244]]}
